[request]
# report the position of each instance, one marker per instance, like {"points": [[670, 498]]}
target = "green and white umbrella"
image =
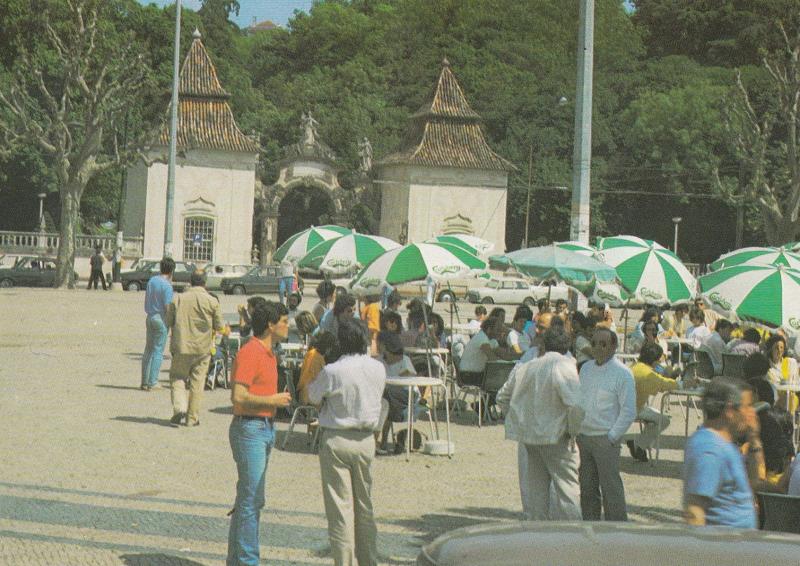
{"points": [[414, 262], [298, 245], [577, 247], [766, 294], [652, 273], [346, 254], [755, 255], [612, 293], [473, 244]]}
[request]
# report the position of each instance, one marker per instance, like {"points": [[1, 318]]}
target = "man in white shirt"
{"points": [[350, 392], [608, 399], [716, 343], [518, 341], [541, 406], [479, 350], [480, 316], [286, 281]]}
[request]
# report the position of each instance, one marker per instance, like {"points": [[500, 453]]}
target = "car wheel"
{"points": [[134, 286], [6, 283], [487, 301], [447, 297], [529, 302], [238, 290]]}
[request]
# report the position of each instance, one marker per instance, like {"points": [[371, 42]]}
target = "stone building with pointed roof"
{"points": [[445, 170], [215, 175]]}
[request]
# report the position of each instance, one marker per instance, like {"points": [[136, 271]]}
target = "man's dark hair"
{"points": [[756, 365], [253, 302], [649, 313], [167, 266], [342, 303], [721, 393], [751, 335], [560, 302], [325, 289], [682, 307], [650, 353], [325, 343], [498, 313], [556, 339], [264, 315], [696, 313], [352, 337], [480, 310], [489, 324], [614, 338], [198, 278], [391, 341], [523, 312], [391, 316], [763, 390], [723, 324], [393, 300]]}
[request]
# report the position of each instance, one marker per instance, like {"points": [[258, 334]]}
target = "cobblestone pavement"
{"points": [[92, 473]]}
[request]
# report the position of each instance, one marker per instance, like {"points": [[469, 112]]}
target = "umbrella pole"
{"points": [[428, 354], [625, 328]]}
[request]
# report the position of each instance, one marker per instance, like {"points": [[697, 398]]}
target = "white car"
{"points": [[216, 272], [515, 291]]}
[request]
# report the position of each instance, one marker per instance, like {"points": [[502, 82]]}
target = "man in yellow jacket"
{"points": [[649, 382]]}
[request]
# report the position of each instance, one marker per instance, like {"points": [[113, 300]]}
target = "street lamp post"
{"points": [[173, 133], [676, 220], [40, 240]]}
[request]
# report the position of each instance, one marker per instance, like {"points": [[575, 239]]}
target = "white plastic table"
{"points": [[687, 394], [422, 381]]}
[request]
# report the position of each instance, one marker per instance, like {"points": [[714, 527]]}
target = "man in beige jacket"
{"points": [[193, 316]]}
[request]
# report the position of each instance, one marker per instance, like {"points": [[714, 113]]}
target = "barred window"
{"points": [[198, 239]]}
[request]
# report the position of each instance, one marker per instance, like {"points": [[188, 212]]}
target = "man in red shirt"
{"points": [[255, 398]]}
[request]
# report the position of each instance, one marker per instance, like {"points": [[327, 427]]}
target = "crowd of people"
{"points": [[568, 402]]}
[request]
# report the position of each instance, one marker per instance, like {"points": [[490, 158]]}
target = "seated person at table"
{"points": [[675, 323], [716, 342], [326, 291], [418, 313], [602, 315], [582, 328], [698, 331], [480, 316], [322, 350], [397, 365], [391, 321], [710, 316], [517, 340], [343, 307], [480, 349], [246, 313], [648, 383], [749, 343], [783, 369], [306, 324], [562, 308], [502, 331], [775, 429]]}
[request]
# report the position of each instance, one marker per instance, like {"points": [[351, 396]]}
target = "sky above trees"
{"points": [[277, 11]]}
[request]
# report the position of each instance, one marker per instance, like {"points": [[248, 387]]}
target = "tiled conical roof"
{"points": [[446, 132], [205, 119]]}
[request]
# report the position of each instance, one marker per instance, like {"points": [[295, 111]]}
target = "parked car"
{"points": [[30, 271], [515, 290], [216, 272], [607, 544], [447, 290], [137, 280], [257, 280]]}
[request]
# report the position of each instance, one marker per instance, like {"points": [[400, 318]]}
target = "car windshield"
{"points": [[254, 270], [493, 284]]}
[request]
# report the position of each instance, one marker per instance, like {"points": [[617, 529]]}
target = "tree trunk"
{"points": [[70, 208], [779, 230]]}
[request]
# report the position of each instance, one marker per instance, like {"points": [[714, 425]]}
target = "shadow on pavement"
{"points": [[145, 420], [108, 386], [226, 410], [663, 469], [156, 559]]}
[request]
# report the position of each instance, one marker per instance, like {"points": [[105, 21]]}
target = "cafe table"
{"points": [[422, 381]]}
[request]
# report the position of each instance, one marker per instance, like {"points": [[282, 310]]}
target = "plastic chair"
{"points": [[779, 512], [309, 412], [465, 389], [701, 367], [494, 377], [733, 365]]}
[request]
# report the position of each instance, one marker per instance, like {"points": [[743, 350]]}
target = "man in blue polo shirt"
{"points": [[156, 299], [716, 486]]}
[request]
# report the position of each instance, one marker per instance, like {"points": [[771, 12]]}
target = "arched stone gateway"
{"points": [[292, 203]]}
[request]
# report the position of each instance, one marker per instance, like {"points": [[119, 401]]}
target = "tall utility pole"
{"points": [[528, 206], [582, 154], [173, 134]]}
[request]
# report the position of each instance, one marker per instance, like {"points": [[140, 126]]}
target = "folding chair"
{"points": [[494, 377], [779, 512], [309, 412], [465, 389], [701, 367], [733, 365]]}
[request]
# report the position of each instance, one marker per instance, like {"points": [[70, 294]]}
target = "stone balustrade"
{"points": [[47, 242]]}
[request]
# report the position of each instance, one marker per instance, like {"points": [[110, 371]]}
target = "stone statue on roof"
{"points": [[365, 152], [309, 125]]}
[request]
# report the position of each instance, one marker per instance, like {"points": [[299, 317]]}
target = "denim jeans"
{"points": [[285, 288], [154, 349], [251, 441]]}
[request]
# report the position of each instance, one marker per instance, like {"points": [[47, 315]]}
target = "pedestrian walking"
{"points": [[349, 391], [96, 274], [193, 316], [255, 398], [156, 298], [286, 280]]}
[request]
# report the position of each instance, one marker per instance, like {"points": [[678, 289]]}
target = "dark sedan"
{"points": [[30, 271], [137, 280], [257, 280]]}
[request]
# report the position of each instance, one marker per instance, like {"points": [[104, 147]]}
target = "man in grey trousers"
{"points": [[608, 399]]}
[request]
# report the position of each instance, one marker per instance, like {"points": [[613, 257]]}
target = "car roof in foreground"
{"points": [[607, 544]]}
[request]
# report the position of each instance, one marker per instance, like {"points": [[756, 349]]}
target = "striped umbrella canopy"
{"points": [[473, 244], [577, 247], [766, 294], [612, 293], [652, 273], [298, 245], [414, 262], [346, 254], [794, 246], [553, 262], [769, 256]]}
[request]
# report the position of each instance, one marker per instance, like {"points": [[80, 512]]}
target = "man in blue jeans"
{"points": [[255, 398], [286, 281], [156, 299]]}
